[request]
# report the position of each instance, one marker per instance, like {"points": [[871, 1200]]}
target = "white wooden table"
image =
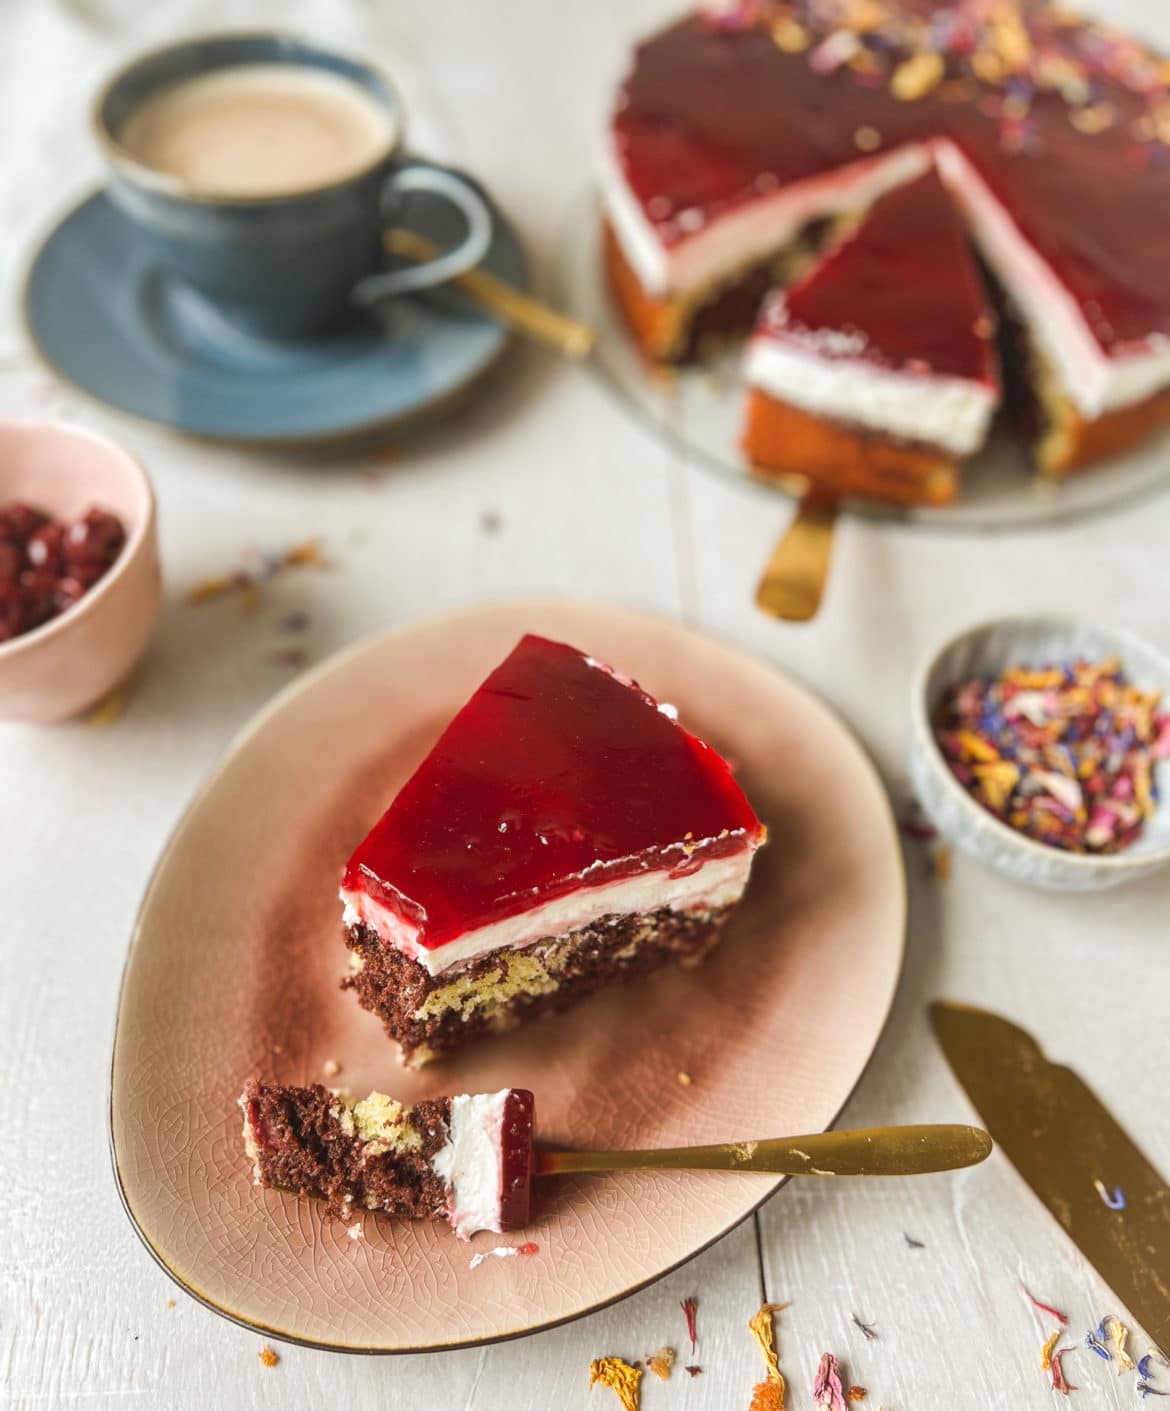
{"points": [[587, 503]]}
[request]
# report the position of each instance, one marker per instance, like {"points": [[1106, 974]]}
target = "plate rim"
{"points": [[258, 722], [342, 438]]}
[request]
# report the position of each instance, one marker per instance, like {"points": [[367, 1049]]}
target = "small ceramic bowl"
{"points": [[58, 669], [988, 650]]}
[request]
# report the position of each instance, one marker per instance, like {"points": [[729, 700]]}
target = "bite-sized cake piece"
{"points": [[465, 1159], [565, 832], [739, 125], [875, 374]]}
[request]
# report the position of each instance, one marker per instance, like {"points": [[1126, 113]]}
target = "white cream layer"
{"points": [[469, 1164], [1095, 381], [750, 233], [949, 412], [716, 883]]}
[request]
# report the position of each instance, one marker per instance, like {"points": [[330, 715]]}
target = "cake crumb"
{"points": [[692, 1370], [331, 1068], [684, 1080], [170, 1302], [942, 863], [867, 139], [267, 1356], [855, 1394]]}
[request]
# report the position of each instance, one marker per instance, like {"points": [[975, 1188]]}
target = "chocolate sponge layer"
{"points": [[431, 1015]]}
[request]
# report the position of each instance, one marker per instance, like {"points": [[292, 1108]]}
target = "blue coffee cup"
{"points": [[285, 265]]}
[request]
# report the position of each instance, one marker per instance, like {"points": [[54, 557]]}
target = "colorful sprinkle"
{"points": [[1064, 754]]}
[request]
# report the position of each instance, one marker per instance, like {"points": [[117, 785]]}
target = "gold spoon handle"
{"points": [[513, 308], [793, 582], [870, 1151]]}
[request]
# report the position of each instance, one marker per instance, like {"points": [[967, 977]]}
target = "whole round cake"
{"points": [[756, 152]]}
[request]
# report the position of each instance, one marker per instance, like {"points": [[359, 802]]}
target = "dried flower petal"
{"points": [[827, 1391], [1059, 1381], [1119, 1337], [625, 1381], [762, 1328], [1048, 1348], [1061, 1318], [661, 1363], [1114, 1199], [868, 1331], [689, 1307], [917, 75], [767, 1396]]}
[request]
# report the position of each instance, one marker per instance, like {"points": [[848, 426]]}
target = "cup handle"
{"points": [[437, 181]]}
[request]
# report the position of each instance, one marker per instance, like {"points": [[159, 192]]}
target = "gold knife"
{"points": [[1101, 1188], [870, 1151]]}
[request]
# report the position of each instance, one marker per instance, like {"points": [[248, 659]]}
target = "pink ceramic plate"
{"points": [[236, 957]]}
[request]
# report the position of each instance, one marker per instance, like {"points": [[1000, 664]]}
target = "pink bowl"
{"points": [[57, 670]]}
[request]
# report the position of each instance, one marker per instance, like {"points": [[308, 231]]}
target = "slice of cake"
{"points": [[564, 833], [465, 1159], [875, 374]]}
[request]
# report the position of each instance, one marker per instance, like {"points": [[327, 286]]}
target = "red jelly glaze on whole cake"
{"points": [[906, 282], [716, 114], [556, 775]]}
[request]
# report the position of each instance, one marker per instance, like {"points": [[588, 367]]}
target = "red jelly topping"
{"points": [[516, 1161], [555, 775], [715, 116], [903, 292], [46, 567]]}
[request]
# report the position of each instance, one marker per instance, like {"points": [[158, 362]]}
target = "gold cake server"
{"points": [[514, 309], [870, 1151], [794, 578], [1063, 1141]]}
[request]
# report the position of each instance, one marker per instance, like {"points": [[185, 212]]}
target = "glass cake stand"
{"points": [[699, 410]]}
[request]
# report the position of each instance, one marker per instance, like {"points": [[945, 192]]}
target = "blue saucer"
{"points": [[109, 320]]}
